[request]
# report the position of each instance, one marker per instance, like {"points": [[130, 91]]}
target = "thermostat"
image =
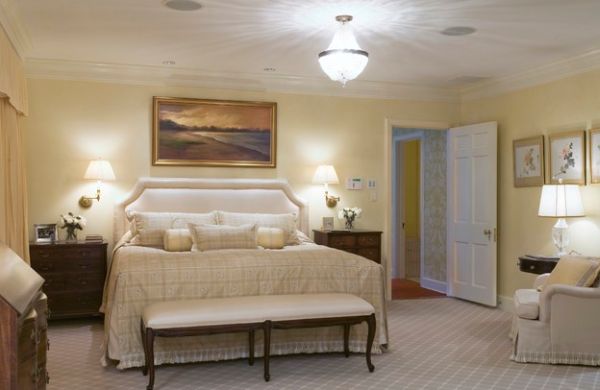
{"points": [[354, 183]]}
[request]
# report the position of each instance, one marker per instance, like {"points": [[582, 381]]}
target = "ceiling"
{"points": [[246, 36]]}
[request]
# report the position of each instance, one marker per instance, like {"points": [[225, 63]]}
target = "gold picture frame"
{"points": [[567, 160], [594, 151], [528, 162], [204, 132]]}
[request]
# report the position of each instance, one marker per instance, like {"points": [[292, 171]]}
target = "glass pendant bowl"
{"points": [[343, 60]]}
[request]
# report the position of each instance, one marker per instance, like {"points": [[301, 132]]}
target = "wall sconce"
{"points": [[326, 175], [97, 170]]}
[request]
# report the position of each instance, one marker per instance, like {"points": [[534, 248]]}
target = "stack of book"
{"points": [[93, 238]]}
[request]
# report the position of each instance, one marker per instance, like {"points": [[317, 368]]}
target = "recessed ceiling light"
{"points": [[182, 5], [169, 62], [457, 31], [269, 69]]}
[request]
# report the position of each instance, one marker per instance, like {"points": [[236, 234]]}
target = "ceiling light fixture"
{"points": [[182, 5], [343, 60]]}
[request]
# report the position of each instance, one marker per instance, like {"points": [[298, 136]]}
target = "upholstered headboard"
{"points": [[204, 195]]}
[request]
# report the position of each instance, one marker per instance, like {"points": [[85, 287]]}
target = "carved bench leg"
{"points": [[346, 340], [251, 347], [267, 354], [150, 356], [370, 337], [143, 332]]}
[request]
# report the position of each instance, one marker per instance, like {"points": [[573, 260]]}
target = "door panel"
{"points": [[472, 212]]}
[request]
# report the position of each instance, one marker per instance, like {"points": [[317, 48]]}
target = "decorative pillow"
{"points": [[270, 238], [177, 240], [573, 271], [148, 227], [285, 222], [211, 237], [303, 238]]}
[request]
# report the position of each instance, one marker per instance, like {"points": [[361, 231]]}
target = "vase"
{"points": [[349, 223], [71, 234]]}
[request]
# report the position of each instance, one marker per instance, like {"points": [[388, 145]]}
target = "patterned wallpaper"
{"points": [[434, 194]]}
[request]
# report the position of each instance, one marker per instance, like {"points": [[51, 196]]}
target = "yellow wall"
{"points": [[411, 188], [568, 104], [72, 122]]}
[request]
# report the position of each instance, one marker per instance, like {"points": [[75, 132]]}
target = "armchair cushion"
{"points": [[527, 303], [573, 271]]}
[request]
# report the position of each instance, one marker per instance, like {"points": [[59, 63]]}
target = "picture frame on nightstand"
{"points": [[327, 224], [45, 232]]}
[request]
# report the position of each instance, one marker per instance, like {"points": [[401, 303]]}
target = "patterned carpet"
{"points": [[436, 344]]}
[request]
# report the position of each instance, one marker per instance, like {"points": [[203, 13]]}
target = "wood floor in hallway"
{"points": [[408, 289]]}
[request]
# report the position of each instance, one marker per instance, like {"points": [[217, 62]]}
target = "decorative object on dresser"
{"points": [[366, 243], [594, 151], [326, 174], [45, 232], [560, 201], [567, 157], [214, 132], [71, 223], [327, 224], [23, 327], [528, 159], [74, 273], [99, 170], [349, 214], [537, 264]]}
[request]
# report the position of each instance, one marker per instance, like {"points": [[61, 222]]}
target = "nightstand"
{"points": [[74, 273], [537, 264], [366, 243]]}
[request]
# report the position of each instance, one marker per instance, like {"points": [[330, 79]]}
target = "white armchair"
{"points": [[559, 325]]}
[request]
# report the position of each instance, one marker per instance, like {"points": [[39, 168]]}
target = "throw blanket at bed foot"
{"points": [[141, 275]]}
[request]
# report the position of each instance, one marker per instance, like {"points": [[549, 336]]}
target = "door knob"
{"points": [[488, 233]]}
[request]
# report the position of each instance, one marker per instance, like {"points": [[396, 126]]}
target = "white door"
{"points": [[472, 206]]}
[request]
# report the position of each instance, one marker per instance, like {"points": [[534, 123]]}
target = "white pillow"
{"points": [[148, 227], [285, 222], [211, 237], [177, 240], [270, 238]]}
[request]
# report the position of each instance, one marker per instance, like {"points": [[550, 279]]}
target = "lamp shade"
{"points": [[325, 174], [99, 170], [560, 201]]}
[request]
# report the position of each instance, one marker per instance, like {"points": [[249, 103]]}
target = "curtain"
{"points": [[13, 180]]}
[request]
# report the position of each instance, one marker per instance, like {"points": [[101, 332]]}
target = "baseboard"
{"points": [[433, 284], [505, 303]]}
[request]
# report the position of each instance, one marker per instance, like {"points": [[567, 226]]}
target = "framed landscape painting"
{"points": [[567, 157], [528, 159], [595, 155], [214, 132]]}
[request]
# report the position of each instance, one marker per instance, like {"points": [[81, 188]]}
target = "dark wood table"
{"points": [[537, 264]]}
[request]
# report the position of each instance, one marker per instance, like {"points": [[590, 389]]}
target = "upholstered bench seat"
{"points": [[250, 313]]}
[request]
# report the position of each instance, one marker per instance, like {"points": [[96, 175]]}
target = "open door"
{"points": [[472, 213]]}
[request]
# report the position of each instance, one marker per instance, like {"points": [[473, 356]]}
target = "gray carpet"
{"points": [[435, 344]]}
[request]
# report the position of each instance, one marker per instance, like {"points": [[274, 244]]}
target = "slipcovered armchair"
{"points": [[558, 325]]}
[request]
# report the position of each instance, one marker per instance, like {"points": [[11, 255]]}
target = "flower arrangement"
{"points": [[349, 214], [72, 223]]}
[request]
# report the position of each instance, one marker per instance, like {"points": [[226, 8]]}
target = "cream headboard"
{"points": [[204, 195]]}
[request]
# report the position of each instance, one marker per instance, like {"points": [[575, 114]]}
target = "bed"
{"points": [[140, 275]]}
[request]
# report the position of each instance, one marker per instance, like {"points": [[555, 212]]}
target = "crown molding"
{"points": [[14, 28], [536, 76], [187, 77]]}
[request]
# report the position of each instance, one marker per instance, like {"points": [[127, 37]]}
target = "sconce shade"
{"points": [[326, 174], [99, 170], [560, 201]]}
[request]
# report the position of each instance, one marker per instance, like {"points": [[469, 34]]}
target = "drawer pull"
{"points": [[532, 266], [45, 255], [83, 266], [45, 268]]}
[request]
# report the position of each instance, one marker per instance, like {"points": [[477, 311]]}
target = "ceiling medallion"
{"points": [[343, 60]]}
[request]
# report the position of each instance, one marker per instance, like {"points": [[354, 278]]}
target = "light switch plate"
{"points": [[371, 184]]}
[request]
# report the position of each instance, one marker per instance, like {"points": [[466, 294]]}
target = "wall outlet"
{"points": [[373, 196]]}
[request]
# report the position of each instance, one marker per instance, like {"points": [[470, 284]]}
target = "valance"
{"points": [[12, 75]]}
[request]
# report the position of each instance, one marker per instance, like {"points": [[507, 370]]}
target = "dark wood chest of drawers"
{"points": [[74, 275], [366, 243]]}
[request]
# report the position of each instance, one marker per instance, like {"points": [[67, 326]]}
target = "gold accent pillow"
{"points": [[576, 271], [270, 238], [177, 240], [212, 237]]}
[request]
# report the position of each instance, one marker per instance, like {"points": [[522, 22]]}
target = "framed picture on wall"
{"points": [[528, 161], [567, 157], [213, 132], [594, 142]]}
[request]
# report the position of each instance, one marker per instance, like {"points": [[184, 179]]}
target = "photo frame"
{"points": [[567, 157], [594, 150], [46, 232], [528, 162], [327, 224], [202, 132]]}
